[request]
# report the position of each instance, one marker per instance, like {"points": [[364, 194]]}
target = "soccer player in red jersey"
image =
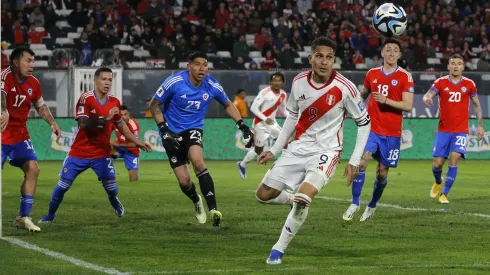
{"points": [[20, 90], [391, 89], [454, 92], [95, 112], [126, 149]]}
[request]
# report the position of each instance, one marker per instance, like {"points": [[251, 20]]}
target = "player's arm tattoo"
{"points": [[430, 94], [4, 102], [364, 93], [45, 113], [478, 110], [85, 122], [155, 110]]}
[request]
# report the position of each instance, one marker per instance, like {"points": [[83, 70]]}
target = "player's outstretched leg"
{"points": [[28, 189], [294, 221], [190, 191], [207, 189], [56, 198], [242, 165], [112, 189]]}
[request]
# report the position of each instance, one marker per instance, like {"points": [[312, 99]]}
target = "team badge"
{"points": [[65, 170], [205, 96], [394, 82], [330, 99], [174, 159], [463, 89], [29, 91]]}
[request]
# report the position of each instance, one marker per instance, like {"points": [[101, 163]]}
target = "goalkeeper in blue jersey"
{"points": [[178, 107]]}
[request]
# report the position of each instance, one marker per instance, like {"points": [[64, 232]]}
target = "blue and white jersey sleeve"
{"points": [[166, 91], [217, 91]]}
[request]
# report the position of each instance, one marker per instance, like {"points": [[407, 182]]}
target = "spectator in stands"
{"points": [[222, 15], [182, 51], [35, 36], [254, 23], [297, 41], [482, 64], [238, 64], [208, 46], [431, 52], [467, 53], [37, 18], [109, 39], [408, 58], [147, 40], [98, 15], [286, 57], [240, 103], [240, 47], [269, 62], [86, 48], [164, 51], [373, 62], [153, 10], [119, 60], [357, 58], [78, 17], [134, 39], [20, 34]]}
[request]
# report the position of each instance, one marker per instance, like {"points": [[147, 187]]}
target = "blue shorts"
{"points": [[445, 143], [18, 153], [386, 150], [131, 161], [103, 168]]}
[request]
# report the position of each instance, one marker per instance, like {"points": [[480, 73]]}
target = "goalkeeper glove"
{"points": [[169, 139], [248, 136]]}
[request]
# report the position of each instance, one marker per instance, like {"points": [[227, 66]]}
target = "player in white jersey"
{"points": [[265, 108], [319, 101]]}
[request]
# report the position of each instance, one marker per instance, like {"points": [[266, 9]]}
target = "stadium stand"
{"points": [[239, 34]]}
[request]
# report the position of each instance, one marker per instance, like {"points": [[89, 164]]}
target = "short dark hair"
{"points": [[124, 107], [392, 41], [197, 54], [455, 56], [323, 41], [103, 70], [280, 74], [240, 90], [18, 52]]}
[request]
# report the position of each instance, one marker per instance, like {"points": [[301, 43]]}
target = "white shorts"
{"points": [[264, 131], [289, 171]]}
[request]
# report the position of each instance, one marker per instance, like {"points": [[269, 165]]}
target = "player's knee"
{"points": [[199, 166], [258, 150], [265, 193], [133, 178], [31, 170], [438, 163]]}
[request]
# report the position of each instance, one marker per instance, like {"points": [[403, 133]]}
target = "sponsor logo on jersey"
{"points": [[183, 96], [302, 97]]}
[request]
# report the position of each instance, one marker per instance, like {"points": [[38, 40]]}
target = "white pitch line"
{"points": [[63, 257], [407, 266], [399, 207], [395, 206]]}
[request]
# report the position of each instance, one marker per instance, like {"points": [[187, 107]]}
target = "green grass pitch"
{"points": [[159, 234]]}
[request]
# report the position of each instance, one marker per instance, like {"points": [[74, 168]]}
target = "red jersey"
{"points": [[386, 120], [454, 101], [94, 143], [134, 128], [20, 96]]}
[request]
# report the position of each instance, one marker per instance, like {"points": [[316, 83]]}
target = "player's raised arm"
{"points": [[4, 119]]}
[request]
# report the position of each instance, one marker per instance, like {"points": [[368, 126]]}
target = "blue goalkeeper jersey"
{"points": [[184, 106]]}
